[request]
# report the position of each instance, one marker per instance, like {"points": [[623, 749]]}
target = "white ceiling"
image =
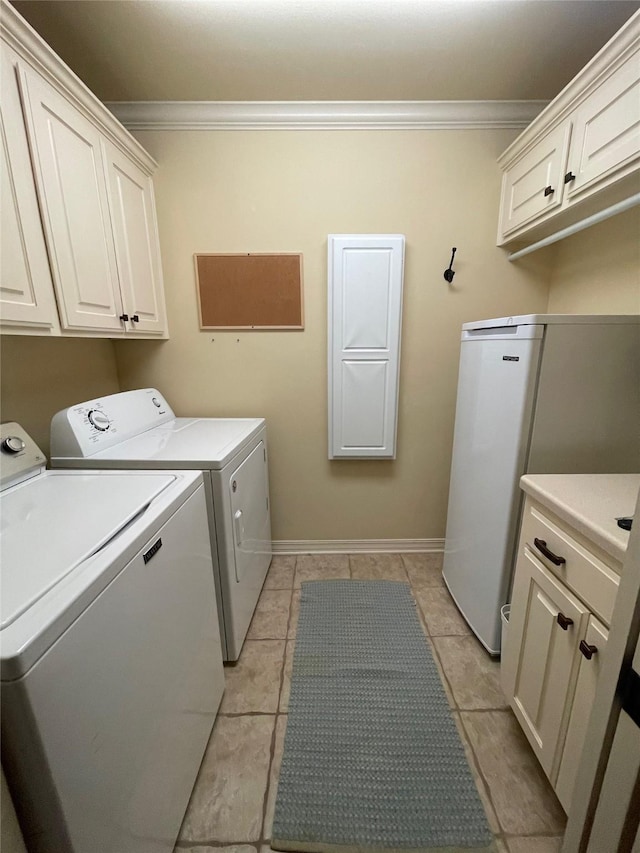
{"points": [[279, 50]]}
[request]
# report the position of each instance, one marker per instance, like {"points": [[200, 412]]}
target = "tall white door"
{"points": [[73, 195], [496, 386], [365, 315]]}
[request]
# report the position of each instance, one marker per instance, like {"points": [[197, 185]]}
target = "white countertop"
{"points": [[590, 503]]}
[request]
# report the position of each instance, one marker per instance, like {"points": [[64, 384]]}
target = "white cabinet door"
{"points": [[365, 315], [606, 136], [26, 289], [541, 654], [136, 241], [533, 186], [73, 198], [591, 648]]}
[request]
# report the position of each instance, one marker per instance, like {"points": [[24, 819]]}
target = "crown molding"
{"points": [[325, 115]]}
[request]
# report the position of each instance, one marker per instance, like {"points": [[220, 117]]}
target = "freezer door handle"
{"points": [[541, 545]]}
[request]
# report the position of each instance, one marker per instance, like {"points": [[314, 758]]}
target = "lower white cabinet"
{"points": [[554, 651], [550, 621], [591, 648]]}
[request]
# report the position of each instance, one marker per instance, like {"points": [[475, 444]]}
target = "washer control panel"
{"points": [[87, 428], [20, 456]]}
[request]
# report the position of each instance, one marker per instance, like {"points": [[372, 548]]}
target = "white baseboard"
{"points": [[352, 546]]}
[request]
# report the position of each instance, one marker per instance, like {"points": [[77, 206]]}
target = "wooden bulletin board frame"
{"points": [[249, 291]]}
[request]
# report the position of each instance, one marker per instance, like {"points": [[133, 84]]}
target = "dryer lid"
{"points": [[51, 524], [201, 443]]}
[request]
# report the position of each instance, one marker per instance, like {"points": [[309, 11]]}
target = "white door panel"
{"points": [[364, 392], [365, 314]]}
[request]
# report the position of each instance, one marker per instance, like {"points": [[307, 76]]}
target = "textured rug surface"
{"points": [[372, 757]]}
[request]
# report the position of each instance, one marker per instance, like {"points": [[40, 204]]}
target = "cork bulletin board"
{"points": [[250, 291]]}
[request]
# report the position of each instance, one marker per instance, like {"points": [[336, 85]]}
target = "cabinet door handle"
{"points": [[548, 191], [563, 621], [124, 317], [541, 545], [135, 318], [587, 649], [569, 177]]}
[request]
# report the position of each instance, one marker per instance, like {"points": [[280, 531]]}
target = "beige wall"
{"points": [[598, 270], [285, 191], [39, 376]]}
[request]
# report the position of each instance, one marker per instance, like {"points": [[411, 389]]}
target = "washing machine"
{"points": [[139, 430], [110, 655]]}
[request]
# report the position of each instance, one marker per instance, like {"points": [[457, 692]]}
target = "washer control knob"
{"points": [[13, 444], [98, 420], [156, 402]]}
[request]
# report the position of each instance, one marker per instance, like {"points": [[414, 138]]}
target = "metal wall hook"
{"points": [[449, 273]]}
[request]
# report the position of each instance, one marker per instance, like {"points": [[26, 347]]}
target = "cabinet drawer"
{"points": [[582, 572]]}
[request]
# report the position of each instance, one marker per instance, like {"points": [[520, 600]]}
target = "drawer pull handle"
{"points": [[548, 191], [587, 649], [541, 545], [563, 621], [569, 177]]}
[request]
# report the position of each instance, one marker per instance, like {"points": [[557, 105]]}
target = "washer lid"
{"points": [[183, 443], [52, 523]]}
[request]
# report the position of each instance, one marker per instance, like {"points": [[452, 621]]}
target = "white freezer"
{"points": [[536, 393]]}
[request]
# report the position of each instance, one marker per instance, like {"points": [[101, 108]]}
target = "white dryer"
{"points": [[138, 430], [110, 658]]}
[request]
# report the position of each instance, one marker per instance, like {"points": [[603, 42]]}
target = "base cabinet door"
{"points": [[73, 196], [136, 241], [26, 289], [547, 623], [591, 649]]}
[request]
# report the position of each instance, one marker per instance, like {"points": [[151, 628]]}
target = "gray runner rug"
{"points": [[372, 757]]}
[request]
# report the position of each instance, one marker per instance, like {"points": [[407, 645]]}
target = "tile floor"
{"points": [[231, 808]]}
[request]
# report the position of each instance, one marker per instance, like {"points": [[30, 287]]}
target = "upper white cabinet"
{"points": [[26, 291], [365, 315], [74, 205], [582, 153], [95, 211], [137, 247]]}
